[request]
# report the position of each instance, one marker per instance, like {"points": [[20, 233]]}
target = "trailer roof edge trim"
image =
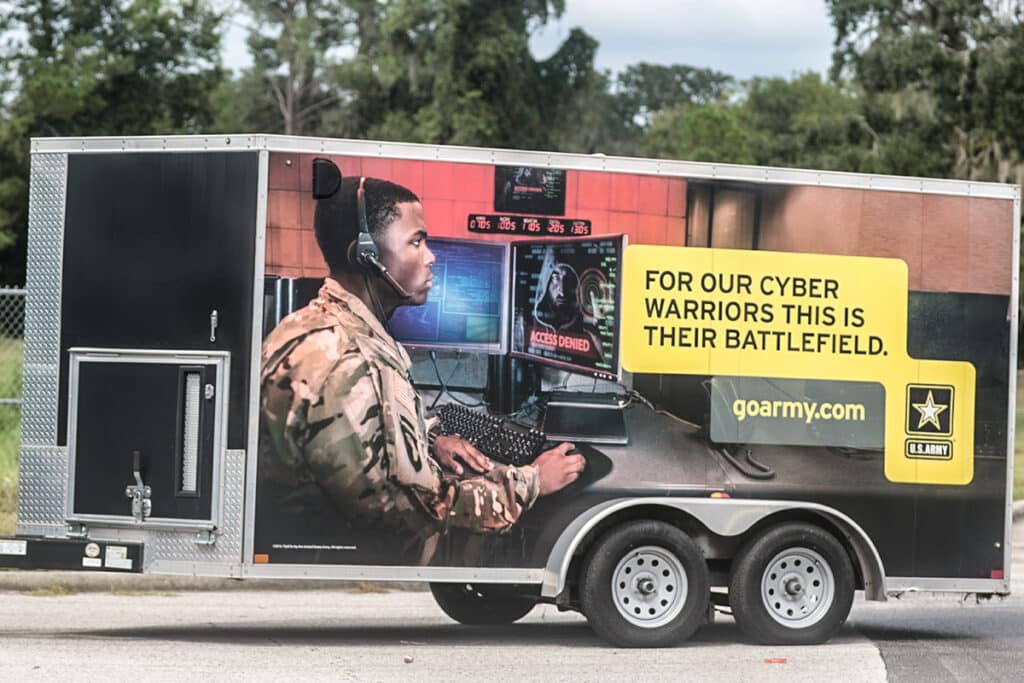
{"points": [[577, 162]]}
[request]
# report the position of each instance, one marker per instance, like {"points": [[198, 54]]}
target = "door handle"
{"points": [[142, 506]]}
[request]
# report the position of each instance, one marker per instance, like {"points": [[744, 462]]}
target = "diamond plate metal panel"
{"points": [[39, 405], [42, 309], [42, 482], [179, 547], [47, 194]]}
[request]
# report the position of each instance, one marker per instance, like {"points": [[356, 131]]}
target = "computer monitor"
{"points": [[467, 308], [565, 303]]}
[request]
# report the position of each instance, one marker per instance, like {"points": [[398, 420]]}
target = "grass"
{"points": [[54, 590], [8, 520], [10, 430], [11, 355]]}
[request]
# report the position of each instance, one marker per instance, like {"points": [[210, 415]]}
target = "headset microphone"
{"points": [[370, 260]]}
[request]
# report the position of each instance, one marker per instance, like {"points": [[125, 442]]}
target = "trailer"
{"points": [[788, 385]]}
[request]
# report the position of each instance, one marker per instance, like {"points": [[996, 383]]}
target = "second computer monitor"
{"points": [[565, 303], [467, 307]]}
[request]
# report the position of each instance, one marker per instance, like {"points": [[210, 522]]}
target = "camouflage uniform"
{"points": [[343, 443]]}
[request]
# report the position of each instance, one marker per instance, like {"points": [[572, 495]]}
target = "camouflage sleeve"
{"points": [[368, 450], [494, 501]]}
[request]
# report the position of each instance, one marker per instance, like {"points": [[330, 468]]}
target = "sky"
{"points": [[743, 38]]}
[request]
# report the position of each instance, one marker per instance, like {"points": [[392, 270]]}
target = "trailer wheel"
{"points": [[483, 604], [645, 584], [792, 585]]}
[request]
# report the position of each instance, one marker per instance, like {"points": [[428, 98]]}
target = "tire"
{"points": [[483, 604], [792, 585], [645, 584]]}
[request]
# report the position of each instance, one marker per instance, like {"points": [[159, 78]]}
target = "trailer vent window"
{"points": [[190, 442]]}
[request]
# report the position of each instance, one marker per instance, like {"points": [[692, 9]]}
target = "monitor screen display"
{"points": [[565, 303], [525, 189], [466, 308]]}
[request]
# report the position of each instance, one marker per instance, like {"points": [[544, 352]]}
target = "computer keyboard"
{"points": [[500, 440]]}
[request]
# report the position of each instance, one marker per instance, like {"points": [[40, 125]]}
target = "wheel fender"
{"points": [[722, 516]]}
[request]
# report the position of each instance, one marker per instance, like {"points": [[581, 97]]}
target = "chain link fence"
{"points": [[12, 344], [12, 337]]}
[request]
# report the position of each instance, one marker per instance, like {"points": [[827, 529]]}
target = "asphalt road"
{"points": [[305, 635], [341, 635], [939, 638]]}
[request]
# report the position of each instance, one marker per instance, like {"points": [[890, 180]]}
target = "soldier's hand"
{"points": [[556, 469], [449, 450]]}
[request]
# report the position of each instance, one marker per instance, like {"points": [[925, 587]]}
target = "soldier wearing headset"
{"points": [[344, 450]]}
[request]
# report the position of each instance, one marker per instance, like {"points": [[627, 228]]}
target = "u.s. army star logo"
{"points": [[929, 410]]}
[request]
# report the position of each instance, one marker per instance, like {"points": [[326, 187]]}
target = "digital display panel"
{"points": [[565, 309], [466, 308], [525, 189], [528, 225]]}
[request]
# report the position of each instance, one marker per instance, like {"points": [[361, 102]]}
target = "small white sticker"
{"points": [[93, 562], [13, 547], [117, 557], [92, 550]]}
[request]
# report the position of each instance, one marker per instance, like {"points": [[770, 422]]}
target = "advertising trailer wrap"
{"points": [[639, 389]]}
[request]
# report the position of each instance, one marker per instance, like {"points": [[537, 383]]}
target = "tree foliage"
{"points": [[441, 71], [461, 72], [646, 89], [807, 123], [91, 67], [293, 44], [935, 76], [918, 87], [708, 132], [86, 66]]}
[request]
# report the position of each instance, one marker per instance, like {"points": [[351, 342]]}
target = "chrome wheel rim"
{"points": [[649, 586], [798, 588]]}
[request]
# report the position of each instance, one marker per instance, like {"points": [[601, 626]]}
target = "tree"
{"points": [[461, 72], [645, 89], [934, 75], [708, 132], [244, 103], [389, 78], [618, 111], [294, 45], [807, 123], [580, 114], [485, 86], [443, 71], [1001, 103], [95, 67]]}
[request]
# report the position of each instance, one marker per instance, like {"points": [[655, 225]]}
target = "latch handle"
{"points": [[137, 469], [139, 493]]}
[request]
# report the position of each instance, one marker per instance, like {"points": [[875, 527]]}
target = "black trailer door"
{"points": [[158, 257]]}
